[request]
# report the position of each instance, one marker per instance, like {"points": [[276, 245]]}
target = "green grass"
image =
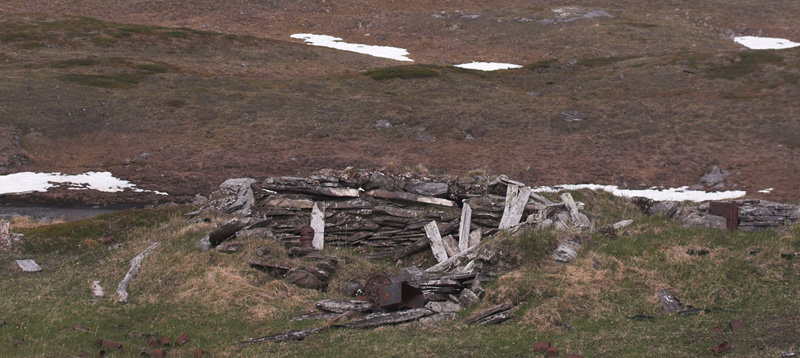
{"points": [[402, 72], [218, 300], [543, 64]]}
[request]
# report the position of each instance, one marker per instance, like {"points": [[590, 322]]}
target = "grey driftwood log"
{"points": [[136, 265]]}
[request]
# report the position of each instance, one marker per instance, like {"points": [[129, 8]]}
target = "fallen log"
{"points": [[136, 265]]}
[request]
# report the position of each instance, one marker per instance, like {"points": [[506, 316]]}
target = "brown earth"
{"points": [[666, 92]]}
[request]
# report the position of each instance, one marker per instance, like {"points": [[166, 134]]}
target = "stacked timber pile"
{"points": [[395, 214]]}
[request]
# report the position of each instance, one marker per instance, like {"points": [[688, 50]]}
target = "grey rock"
{"points": [[230, 247], [715, 179], [351, 288], [669, 302], [28, 266], [381, 123], [666, 209], [203, 244], [439, 317], [426, 188], [703, 221], [621, 224], [234, 196], [468, 298], [304, 279], [567, 251], [572, 116], [380, 180], [443, 306], [263, 251]]}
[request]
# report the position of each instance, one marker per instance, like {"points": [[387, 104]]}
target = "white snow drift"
{"points": [[672, 194], [488, 66], [764, 43], [394, 53], [28, 182]]}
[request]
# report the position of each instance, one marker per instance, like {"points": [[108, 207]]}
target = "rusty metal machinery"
{"points": [[373, 285], [388, 295], [729, 211]]}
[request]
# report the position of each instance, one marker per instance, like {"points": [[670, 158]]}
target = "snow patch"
{"points": [[766, 191], [28, 182], [394, 53], [488, 66], [764, 43], [673, 194]]}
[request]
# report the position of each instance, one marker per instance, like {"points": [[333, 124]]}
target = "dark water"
{"points": [[52, 213]]}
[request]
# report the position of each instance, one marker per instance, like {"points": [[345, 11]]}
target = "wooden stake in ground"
{"points": [[318, 224], [516, 198], [136, 265], [432, 230], [463, 230]]}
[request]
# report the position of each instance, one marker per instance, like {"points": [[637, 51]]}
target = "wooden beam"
{"points": [[516, 198], [463, 230], [318, 224], [136, 265], [401, 195], [580, 221], [432, 230]]}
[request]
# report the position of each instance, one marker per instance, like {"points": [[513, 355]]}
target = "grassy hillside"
{"points": [[584, 307]]}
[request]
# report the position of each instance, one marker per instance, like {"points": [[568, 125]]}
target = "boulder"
{"points": [[703, 221], [666, 209], [305, 279], [234, 196]]}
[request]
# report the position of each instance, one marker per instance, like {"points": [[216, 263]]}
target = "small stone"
{"points": [[305, 279], [468, 298], [28, 266], [262, 251], [351, 288]]}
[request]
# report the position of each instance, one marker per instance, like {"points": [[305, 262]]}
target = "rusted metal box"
{"points": [[400, 295], [729, 211]]}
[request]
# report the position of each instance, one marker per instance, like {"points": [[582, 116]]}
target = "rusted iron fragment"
{"points": [[722, 348], [541, 346], [106, 344], [551, 352], [737, 324], [182, 339]]}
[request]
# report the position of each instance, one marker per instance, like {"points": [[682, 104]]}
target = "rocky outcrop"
{"points": [[11, 152]]}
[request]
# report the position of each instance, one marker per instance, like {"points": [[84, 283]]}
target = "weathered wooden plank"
{"points": [[314, 190], [516, 198], [454, 261], [475, 238], [342, 306], [463, 229], [481, 315], [380, 319], [318, 224], [450, 245], [281, 202], [439, 252], [580, 221], [399, 195]]}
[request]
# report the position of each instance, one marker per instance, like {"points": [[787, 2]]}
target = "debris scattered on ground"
{"points": [[737, 325], [669, 302], [494, 315], [28, 266], [80, 328], [108, 345], [97, 290], [182, 339], [722, 348], [541, 346], [136, 265]]}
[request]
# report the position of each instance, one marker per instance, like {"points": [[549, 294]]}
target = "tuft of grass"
{"points": [[748, 63], [539, 65], [89, 61], [402, 72], [85, 234], [603, 61]]}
